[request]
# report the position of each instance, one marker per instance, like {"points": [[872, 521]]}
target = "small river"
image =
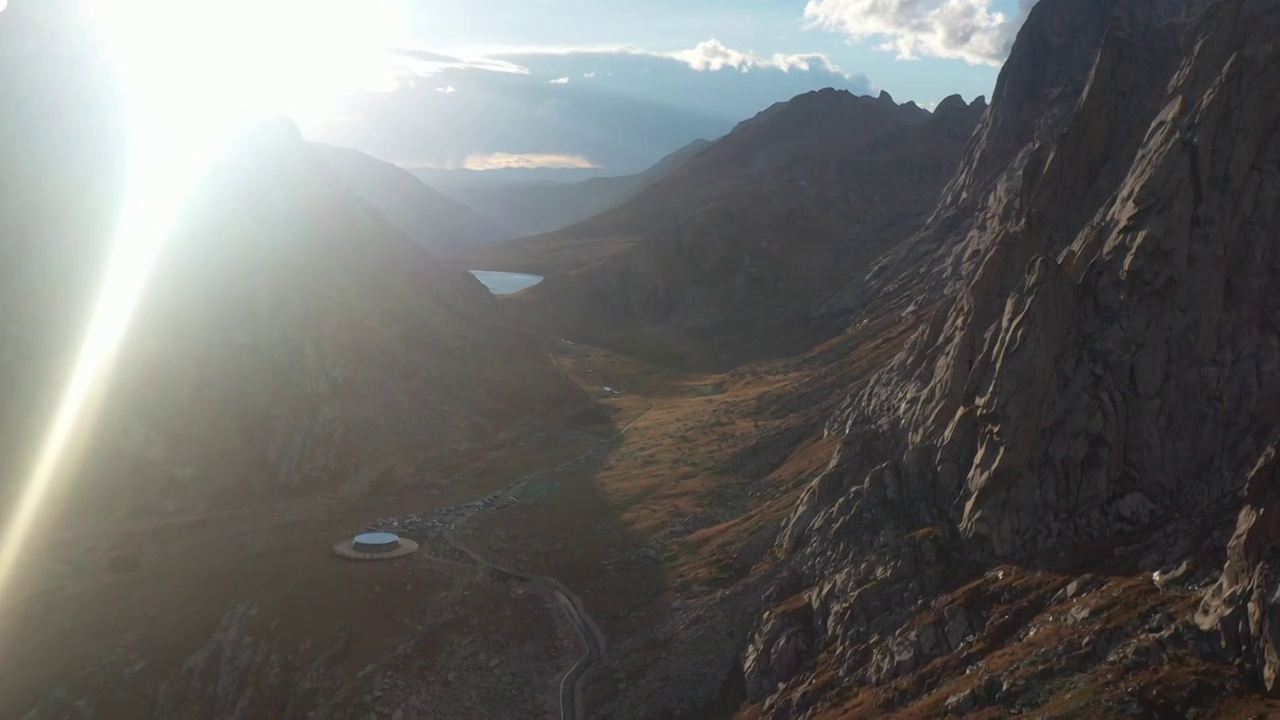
{"points": [[505, 283]]}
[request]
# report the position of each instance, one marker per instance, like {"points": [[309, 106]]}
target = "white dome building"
{"points": [[375, 546]]}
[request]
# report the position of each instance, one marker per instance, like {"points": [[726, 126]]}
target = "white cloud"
{"points": [[966, 30], [588, 75], [559, 81], [500, 161], [708, 55], [424, 63], [447, 89], [714, 55]]}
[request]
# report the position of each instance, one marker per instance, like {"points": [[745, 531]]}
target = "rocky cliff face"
{"points": [[762, 226], [1097, 354]]}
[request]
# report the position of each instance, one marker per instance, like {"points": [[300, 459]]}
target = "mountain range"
{"points": [[295, 338], [443, 226], [532, 207], [727, 256], [860, 410]]}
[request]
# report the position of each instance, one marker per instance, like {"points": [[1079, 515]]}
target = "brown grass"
{"points": [[667, 486]]}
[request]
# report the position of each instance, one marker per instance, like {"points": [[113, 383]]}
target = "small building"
{"points": [[375, 546]]}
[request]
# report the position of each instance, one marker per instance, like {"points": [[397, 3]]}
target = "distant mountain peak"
{"points": [[419, 212], [951, 103], [532, 208], [733, 250]]}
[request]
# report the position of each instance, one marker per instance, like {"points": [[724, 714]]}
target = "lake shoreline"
{"points": [[506, 283]]}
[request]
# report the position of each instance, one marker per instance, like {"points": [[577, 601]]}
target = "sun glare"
{"points": [[195, 72]]}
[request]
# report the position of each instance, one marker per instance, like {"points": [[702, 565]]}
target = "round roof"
{"points": [[377, 538]]}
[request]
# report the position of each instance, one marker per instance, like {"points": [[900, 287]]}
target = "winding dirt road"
{"points": [[570, 706]]}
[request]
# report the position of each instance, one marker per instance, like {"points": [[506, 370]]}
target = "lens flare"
{"points": [[194, 73]]}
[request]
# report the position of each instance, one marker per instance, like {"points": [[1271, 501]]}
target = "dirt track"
{"points": [[592, 638], [572, 605]]}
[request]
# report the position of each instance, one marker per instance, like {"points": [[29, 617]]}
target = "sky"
{"points": [[616, 84], [871, 37], [612, 85]]}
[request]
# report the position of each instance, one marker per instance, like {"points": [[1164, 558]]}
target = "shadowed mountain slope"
{"points": [[291, 340], [533, 208], [429, 218], [741, 243]]}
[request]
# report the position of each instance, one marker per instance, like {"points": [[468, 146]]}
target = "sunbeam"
{"points": [[194, 74]]}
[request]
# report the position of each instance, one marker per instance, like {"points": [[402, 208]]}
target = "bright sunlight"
{"points": [[195, 73]]}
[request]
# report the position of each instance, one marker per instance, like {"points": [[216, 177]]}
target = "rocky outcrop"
{"points": [[783, 646], [1098, 347], [1115, 340], [761, 226], [1240, 609]]}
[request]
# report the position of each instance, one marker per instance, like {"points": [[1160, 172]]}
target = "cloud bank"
{"points": [[707, 56], [968, 30], [502, 161], [407, 63], [713, 55], [528, 108]]}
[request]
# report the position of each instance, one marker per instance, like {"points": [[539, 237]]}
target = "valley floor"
{"points": [[245, 613], [662, 520]]}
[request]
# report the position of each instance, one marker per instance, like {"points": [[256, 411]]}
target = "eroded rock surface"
{"points": [[1098, 351]]}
